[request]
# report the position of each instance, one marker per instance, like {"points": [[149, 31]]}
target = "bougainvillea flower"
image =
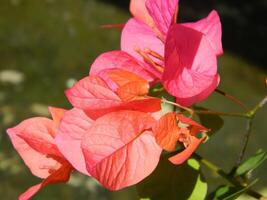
{"points": [[34, 141], [149, 26], [173, 128], [95, 98], [73, 126], [120, 149], [145, 38], [190, 65], [148, 29]]}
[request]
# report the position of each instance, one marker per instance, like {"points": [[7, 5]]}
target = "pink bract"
{"points": [[95, 98], [190, 65], [211, 28], [163, 13], [119, 60], [189, 84], [34, 140], [120, 149], [139, 11], [73, 126]]}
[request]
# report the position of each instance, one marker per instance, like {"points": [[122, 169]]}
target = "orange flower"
{"points": [[173, 128]]}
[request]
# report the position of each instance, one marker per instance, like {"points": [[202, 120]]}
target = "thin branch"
{"points": [[245, 142], [207, 112], [232, 98], [226, 176], [258, 106], [112, 26], [250, 114], [191, 111]]}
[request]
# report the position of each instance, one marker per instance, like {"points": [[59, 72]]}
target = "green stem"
{"points": [[207, 112], [250, 114], [258, 106], [245, 142], [227, 177], [191, 111]]}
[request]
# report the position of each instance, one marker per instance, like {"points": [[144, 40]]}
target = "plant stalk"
{"points": [[227, 177]]}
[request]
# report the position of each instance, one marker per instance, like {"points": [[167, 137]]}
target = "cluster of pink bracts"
{"points": [[115, 132]]}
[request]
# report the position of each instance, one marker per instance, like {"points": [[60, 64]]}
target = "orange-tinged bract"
{"points": [[34, 140], [173, 128], [95, 98], [130, 86]]}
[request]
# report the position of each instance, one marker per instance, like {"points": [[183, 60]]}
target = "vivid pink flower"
{"points": [[34, 141], [172, 128], [190, 70], [145, 37]]}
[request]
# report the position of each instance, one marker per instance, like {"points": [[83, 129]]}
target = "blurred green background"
{"points": [[45, 44]]}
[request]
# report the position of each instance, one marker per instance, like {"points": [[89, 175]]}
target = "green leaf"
{"points": [[212, 122], [173, 182], [226, 192], [251, 163]]}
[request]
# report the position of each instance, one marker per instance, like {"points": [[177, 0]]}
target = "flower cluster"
{"points": [[116, 131]]}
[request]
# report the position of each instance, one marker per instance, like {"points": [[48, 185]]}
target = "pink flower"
{"points": [[118, 149], [34, 141], [107, 126], [146, 36], [95, 97], [190, 70]]}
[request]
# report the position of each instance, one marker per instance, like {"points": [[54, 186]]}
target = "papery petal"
{"points": [[120, 150], [38, 133], [163, 12], [147, 105], [123, 77], [57, 114], [211, 28], [59, 176], [119, 60], [167, 132], [39, 164], [73, 126], [96, 99], [131, 86], [137, 35], [211, 82], [91, 93], [139, 11], [133, 91], [185, 154], [190, 65]]}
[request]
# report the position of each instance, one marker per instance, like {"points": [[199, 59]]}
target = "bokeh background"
{"points": [[46, 44]]}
